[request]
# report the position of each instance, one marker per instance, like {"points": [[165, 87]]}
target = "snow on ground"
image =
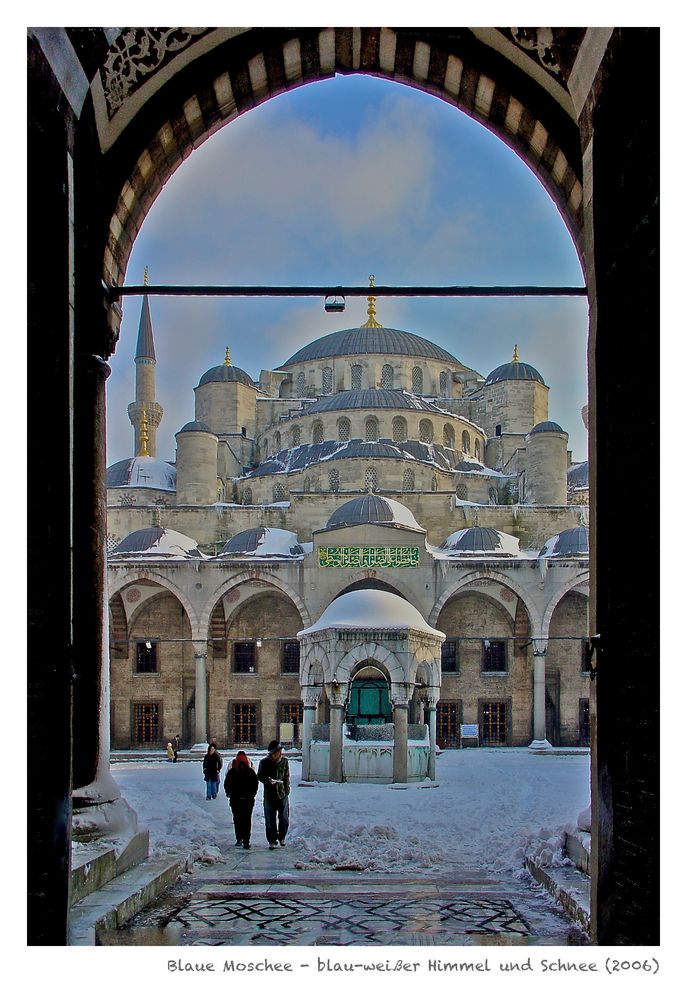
{"points": [[486, 807]]}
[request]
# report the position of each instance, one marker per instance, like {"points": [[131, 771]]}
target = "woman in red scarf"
{"points": [[241, 786]]}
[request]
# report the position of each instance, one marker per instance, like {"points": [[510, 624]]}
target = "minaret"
{"points": [[146, 413]]}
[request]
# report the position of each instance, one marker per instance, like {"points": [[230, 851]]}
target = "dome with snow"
{"points": [[373, 509], [265, 542], [372, 609], [157, 543], [571, 542], [478, 541], [142, 471], [578, 476]]}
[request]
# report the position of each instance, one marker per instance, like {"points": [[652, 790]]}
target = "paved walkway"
{"points": [[260, 898]]}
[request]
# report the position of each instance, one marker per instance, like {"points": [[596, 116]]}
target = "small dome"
{"points": [[370, 340], [372, 609], [571, 542], [142, 471], [225, 373], [195, 425], [480, 541], [263, 542], [370, 399], [514, 371], [368, 449], [373, 509], [157, 542], [547, 425]]}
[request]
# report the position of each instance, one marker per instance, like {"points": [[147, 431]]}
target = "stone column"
{"points": [[200, 650], [400, 741], [431, 718], [539, 741], [310, 696], [336, 720]]}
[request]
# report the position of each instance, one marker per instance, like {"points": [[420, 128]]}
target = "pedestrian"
{"points": [[241, 786], [212, 766], [175, 747], [170, 752], [273, 772]]}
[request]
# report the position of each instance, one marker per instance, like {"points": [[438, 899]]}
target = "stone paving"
{"points": [[258, 897]]}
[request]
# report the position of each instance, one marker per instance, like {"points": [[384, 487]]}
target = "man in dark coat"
{"points": [[273, 772], [241, 787], [212, 766], [175, 747]]}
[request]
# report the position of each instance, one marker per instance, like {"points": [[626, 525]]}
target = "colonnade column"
{"points": [[200, 650], [431, 719], [539, 741], [400, 740], [309, 696], [336, 721]]}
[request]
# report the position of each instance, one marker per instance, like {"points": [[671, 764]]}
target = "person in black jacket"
{"points": [[241, 786], [212, 766], [273, 772]]}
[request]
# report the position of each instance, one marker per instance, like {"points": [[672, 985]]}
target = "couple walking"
{"points": [[241, 786]]}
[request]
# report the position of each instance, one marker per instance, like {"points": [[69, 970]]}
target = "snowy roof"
{"points": [[305, 455], [142, 471], [372, 509], [578, 476], [478, 541], [157, 542], [571, 542], [372, 609], [263, 542]]}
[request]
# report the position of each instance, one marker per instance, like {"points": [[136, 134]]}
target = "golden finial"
{"points": [[227, 357], [516, 357], [371, 321], [145, 275], [144, 434]]}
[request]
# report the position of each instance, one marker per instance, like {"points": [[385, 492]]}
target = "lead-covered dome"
{"points": [[370, 399], [226, 373], [373, 509], [195, 425], [263, 542], [569, 543], [514, 371], [142, 471], [370, 340], [478, 541], [546, 427], [157, 542]]}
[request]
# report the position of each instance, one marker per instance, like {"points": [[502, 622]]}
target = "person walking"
{"points": [[273, 772], [241, 787], [175, 747], [212, 766], [170, 752]]}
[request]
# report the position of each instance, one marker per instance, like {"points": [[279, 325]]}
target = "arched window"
{"points": [[247, 495], [478, 450], [356, 376], [435, 485], [334, 481], [295, 437], [466, 443], [327, 380], [443, 384], [417, 381], [300, 384], [399, 429], [278, 492], [449, 436], [372, 429], [306, 484], [265, 449], [343, 428], [387, 376], [317, 432], [371, 479], [426, 431], [462, 492], [277, 442], [408, 479], [493, 495]]}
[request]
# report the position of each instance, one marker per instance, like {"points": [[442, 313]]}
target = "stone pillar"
{"points": [[310, 696], [336, 721], [200, 650], [431, 719], [539, 741], [400, 741]]}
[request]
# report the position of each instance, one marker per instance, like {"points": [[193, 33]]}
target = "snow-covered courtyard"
{"points": [[484, 807]]}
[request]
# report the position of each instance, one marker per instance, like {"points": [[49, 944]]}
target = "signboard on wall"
{"points": [[368, 556]]}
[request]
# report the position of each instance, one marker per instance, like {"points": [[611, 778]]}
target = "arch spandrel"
{"points": [[534, 613], [252, 575], [562, 591], [119, 583]]}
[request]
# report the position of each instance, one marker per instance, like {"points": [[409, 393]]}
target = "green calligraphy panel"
{"points": [[368, 556]]}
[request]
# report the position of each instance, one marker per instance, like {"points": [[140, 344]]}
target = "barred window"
{"points": [[387, 377], [146, 657], [493, 495], [290, 656], [435, 484], [494, 723], [449, 656], [494, 656], [292, 712], [408, 479], [443, 384], [245, 723], [371, 429], [247, 495], [356, 376], [146, 722], [462, 492], [126, 500], [277, 442], [317, 433], [334, 481], [300, 384], [399, 429], [585, 732], [478, 450], [371, 479], [245, 658], [426, 431], [327, 380], [448, 723], [449, 436], [417, 380], [306, 484], [344, 429], [466, 443], [278, 492], [295, 437]]}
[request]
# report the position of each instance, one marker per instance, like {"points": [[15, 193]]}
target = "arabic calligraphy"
{"points": [[366, 556]]}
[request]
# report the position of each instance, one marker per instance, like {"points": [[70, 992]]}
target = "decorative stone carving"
{"points": [[539, 41]]}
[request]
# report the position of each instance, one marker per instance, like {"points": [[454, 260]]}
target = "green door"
{"points": [[369, 703]]}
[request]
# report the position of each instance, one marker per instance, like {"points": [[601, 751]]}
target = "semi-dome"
{"points": [[142, 471], [368, 449], [546, 426], [195, 425], [373, 609], [157, 542], [225, 373], [370, 340], [372, 509], [370, 399], [481, 541], [569, 543], [263, 542], [514, 371]]}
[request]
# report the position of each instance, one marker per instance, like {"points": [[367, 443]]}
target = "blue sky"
{"points": [[328, 184]]}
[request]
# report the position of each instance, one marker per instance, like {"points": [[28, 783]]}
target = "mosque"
{"points": [[370, 551]]}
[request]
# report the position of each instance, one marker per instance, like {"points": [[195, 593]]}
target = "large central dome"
{"points": [[370, 340]]}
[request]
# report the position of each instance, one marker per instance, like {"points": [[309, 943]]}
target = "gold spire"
{"points": [[371, 322], [145, 275], [516, 357], [144, 434], [227, 357]]}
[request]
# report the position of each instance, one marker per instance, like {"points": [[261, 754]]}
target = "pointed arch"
{"points": [[533, 612], [558, 597], [263, 576], [117, 582]]}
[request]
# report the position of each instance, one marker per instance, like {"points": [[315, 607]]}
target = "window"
{"points": [[443, 384], [585, 656], [300, 384], [466, 443], [317, 432], [371, 429], [493, 495], [449, 436], [126, 500], [327, 380], [247, 495], [343, 429], [584, 722], [494, 656], [146, 722], [295, 437], [290, 656], [449, 656], [146, 657], [426, 431], [244, 723], [244, 432], [448, 723], [245, 658], [399, 429], [435, 484], [356, 376], [494, 723], [306, 484], [417, 380], [278, 492], [387, 377], [371, 480], [462, 492], [277, 442], [478, 451], [498, 430], [334, 481], [408, 479], [292, 712]]}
